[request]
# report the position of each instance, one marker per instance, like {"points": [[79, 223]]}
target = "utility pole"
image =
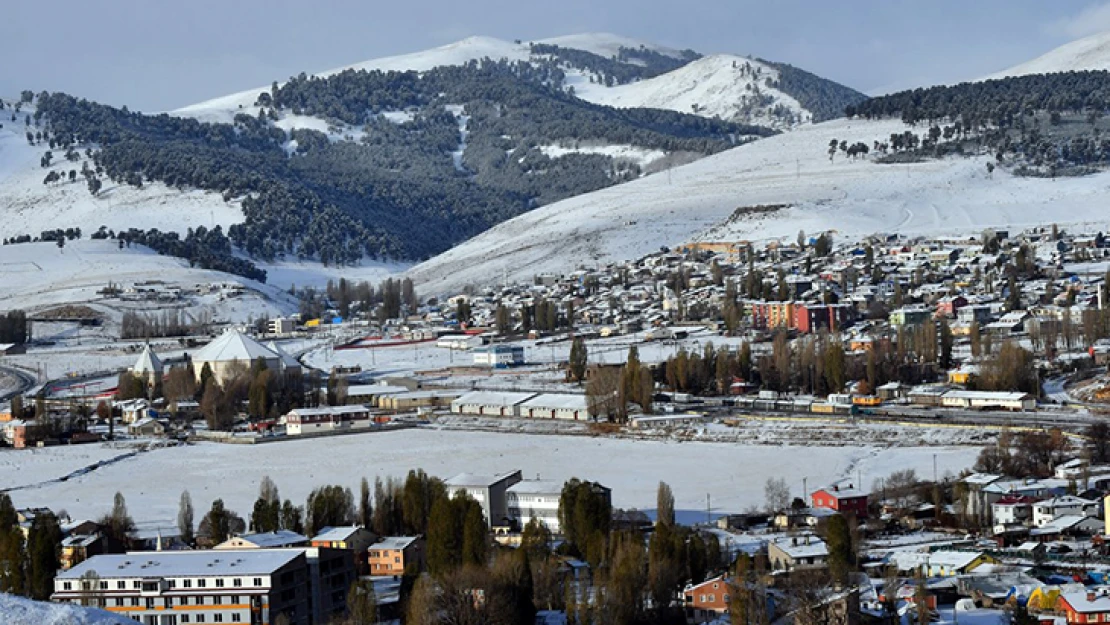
{"points": [[707, 509]]}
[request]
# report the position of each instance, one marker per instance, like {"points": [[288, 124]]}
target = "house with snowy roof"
{"points": [[793, 553]]}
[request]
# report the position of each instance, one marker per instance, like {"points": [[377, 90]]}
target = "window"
{"points": [[119, 601], [121, 585], [258, 581], [150, 603], [712, 598], [218, 600], [171, 583], [238, 582], [219, 583], [200, 618], [396, 559], [187, 583], [234, 617], [218, 617], [134, 602], [136, 584], [184, 618], [201, 583], [67, 586], [103, 585]]}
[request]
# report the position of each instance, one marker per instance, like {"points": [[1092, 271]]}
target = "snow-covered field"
{"points": [[848, 198], [20, 611], [732, 475]]}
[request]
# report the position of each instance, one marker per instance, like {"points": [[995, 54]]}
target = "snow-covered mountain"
{"points": [[20, 611], [730, 87], [722, 85], [1089, 53], [707, 200]]}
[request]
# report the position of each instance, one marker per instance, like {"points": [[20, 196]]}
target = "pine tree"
{"points": [[43, 551], [12, 552], [185, 517], [576, 368]]}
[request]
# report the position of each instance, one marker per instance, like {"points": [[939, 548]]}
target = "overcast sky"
{"points": [[155, 55]]}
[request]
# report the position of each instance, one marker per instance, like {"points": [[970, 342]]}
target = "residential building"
{"points": [[185, 587], [78, 548], [265, 540], [989, 400], [350, 537], [1044, 512], [846, 501], [490, 491], [794, 553], [499, 356], [772, 315], [1013, 510], [941, 563], [535, 499], [706, 602], [392, 555], [909, 316], [1088, 606], [280, 325]]}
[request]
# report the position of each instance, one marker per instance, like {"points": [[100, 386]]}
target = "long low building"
{"points": [[418, 399], [556, 406], [327, 419], [490, 403], [986, 400]]}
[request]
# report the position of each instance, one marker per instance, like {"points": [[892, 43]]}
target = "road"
{"points": [[25, 381]]}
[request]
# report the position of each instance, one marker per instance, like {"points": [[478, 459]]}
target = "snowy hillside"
{"points": [[726, 86], [848, 197], [1089, 53], [19, 611], [39, 275], [30, 206], [722, 85]]}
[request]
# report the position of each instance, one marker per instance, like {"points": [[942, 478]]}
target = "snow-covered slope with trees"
{"points": [[722, 85], [706, 200], [20, 611], [30, 206], [1089, 53]]}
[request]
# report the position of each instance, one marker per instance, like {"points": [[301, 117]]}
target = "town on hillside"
{"points": [[998, 340]]}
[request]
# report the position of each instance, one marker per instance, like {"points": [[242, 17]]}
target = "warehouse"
{"points": [[491, 403], [984, 400], [556, 406]]}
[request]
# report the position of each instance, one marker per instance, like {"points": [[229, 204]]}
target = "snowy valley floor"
{"points": [[731, 474]]}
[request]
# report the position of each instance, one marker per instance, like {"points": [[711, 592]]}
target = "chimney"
{"points": [[1090, 596], [836, 488]]}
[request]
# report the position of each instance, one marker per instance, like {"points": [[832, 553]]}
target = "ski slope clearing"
{"points": [[725, 86], [31, 207], [40, 275], [152, 481], [700, 201], [1089, 53], [21, 611]]}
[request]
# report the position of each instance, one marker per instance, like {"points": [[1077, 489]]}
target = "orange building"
{"points": [[772, 315], [391, 556], [707, 601]]}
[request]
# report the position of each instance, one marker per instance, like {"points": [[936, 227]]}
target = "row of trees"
{"points": [[14, 327], [27, 567]]}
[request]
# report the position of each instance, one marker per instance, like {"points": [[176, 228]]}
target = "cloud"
{"points": [[1095, 18]]}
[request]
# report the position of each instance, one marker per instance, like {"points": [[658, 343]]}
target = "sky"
{"points": [[153, 55]]}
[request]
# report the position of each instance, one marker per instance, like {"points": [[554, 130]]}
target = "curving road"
{"points": [[25, 381]]}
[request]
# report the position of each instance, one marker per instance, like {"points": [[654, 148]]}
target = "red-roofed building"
{"points": [[1084, 607], [843, 500]]}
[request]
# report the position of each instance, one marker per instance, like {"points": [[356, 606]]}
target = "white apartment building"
{"points": [[186, 587], [535, 499]]}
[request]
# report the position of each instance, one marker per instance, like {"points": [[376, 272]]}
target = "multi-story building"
{"points": [[250, 586], [392, 555], [301, 421], [772, 315], [535, 499], [490, 491], [186, 587]]}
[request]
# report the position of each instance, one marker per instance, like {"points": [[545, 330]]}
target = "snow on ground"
{"points": [[733, 475], [607, 45], [29, 206], [40, 275], [849, 198], [21, 611], [641, 156], [31, 466], [713, 86], [1089, 53]]}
